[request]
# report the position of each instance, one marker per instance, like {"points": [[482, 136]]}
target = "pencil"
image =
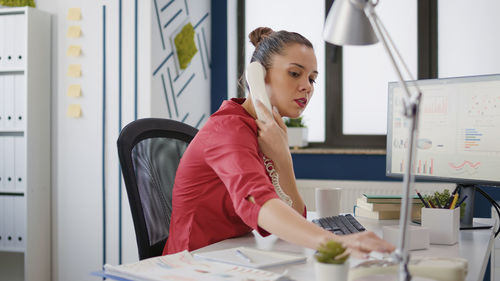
{"points": [[438, 204], [461, 201], [454, 202], [422, 199]]}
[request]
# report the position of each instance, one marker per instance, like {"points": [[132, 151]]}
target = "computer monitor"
{"points": [[458, 133]]}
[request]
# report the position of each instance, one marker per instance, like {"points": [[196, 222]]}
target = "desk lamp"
{"points": [[354, 22]]}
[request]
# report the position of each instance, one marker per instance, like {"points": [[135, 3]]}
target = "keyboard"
{"points": [[340, 225]]}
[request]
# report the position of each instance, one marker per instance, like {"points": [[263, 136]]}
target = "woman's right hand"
{"points": [[273, 138]]}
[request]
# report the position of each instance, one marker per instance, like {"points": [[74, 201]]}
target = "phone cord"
{"points": [[275, 180]]}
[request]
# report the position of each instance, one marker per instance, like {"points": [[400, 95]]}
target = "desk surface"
{"points": [[474, 245]]}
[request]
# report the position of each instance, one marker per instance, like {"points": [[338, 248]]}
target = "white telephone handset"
{"points": [[255, 75]]}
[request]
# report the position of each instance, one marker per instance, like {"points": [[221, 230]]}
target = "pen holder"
{"points": [[443, 224]]}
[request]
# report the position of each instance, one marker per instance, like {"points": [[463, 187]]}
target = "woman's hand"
{"points": [[273, 138], [362, 243]]}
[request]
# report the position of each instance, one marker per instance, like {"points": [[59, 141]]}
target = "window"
{"points": [[345, 120]]}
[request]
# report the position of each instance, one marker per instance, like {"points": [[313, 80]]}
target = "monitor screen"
{"points": [[459, 130]]}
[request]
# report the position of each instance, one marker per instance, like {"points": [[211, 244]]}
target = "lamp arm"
{"points": [[411, 111], [410, 100]]}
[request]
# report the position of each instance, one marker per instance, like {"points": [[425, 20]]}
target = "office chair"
{"points": [[149, 150]]}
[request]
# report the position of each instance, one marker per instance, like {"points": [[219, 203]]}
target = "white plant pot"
{"points": [[331, 272], [297, 137]]}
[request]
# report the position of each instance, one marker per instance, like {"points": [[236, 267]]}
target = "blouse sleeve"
{"points": [[235, 159]]}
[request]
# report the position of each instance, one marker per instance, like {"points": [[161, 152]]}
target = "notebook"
{"points": [[251, 257]]}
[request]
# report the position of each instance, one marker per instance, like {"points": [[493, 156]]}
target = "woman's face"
{"points": [[291, 79]]}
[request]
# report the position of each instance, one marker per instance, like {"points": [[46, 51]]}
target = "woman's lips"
{"points": [[301, 102]]}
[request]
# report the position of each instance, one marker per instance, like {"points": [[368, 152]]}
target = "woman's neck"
{"points": [[248, 106]]}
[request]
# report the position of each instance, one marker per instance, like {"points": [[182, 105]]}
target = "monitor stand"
{"points": [[466, 222]]}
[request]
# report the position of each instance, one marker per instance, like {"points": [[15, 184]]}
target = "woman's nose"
{"points": [[305, 85]]}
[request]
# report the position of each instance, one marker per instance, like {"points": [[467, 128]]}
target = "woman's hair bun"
{"points": [[258, 34]]}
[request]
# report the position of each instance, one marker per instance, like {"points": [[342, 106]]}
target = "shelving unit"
{"points": [[25, 190]]}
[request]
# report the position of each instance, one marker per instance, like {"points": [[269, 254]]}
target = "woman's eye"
{"points": [[294, 74], [312, 81]]}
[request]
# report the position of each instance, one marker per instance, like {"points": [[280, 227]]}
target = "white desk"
{"points": [[474, 245]]}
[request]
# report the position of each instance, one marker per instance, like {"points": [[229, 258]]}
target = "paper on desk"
{"points": [[182, 266], [257, 258]]}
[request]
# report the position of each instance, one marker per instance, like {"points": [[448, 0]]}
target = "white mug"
{"points": [[328, 201]]}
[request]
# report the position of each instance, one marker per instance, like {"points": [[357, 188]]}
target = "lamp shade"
{"points": [[347, 24]]}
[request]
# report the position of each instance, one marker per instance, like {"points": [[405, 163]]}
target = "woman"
{"points": [[226, 185]]}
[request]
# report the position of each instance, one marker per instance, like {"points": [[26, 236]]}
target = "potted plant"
{"points": [[328, 266], [297, 132]]}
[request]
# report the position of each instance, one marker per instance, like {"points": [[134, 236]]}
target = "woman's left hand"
{"points": [[273, 138], [362, 243]]}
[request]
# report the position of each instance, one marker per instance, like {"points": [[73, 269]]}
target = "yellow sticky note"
{"points": [[73, 51], [74, 111], [74, 31], [74, 70], [74, 90], [74, 14]]}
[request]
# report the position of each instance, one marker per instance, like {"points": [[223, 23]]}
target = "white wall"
{"points": [[182, 95], [77, 199]]}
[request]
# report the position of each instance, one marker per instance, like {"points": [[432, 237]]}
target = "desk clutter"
{"points": [[435, 268], [183, 266], [384, 207]]}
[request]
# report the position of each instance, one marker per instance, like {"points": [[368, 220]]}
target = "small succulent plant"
{"points": [[295, 122], [327, 253]]}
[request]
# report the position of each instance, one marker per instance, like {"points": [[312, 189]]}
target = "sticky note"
{"points": [[74, 31], [73, 51], [74, 111], [74, 90], [74, 70], [74, 14]]}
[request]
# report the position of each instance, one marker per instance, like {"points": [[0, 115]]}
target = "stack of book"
{"points": [[384, 207]]}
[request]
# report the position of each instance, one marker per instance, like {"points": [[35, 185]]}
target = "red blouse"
{"points": [[219, 170]]}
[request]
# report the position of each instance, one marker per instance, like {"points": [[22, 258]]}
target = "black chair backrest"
{"points": [[149, 150]]}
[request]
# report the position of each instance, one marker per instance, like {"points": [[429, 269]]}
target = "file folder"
{"points": [[19, 222], [8, 44], [2, 91], [9, 221], [2, 44], [2, 222], [20, 164], [19, 101], [9, 162], [2, 166], [18, 40], [9, 101]]}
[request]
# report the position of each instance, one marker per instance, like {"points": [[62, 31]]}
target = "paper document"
{"points": [[182, 266], [251, 257]]}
